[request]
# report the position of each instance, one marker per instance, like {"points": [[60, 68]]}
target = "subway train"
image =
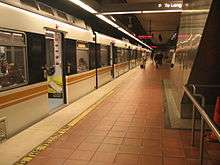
{"points": [[49, 59]]}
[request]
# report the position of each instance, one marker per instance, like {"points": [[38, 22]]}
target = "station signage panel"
{"points": [[143, 37], [139, 8], [170, 5]]}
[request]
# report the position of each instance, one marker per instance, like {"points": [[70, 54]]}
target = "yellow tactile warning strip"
{"points": [[27, 158]]}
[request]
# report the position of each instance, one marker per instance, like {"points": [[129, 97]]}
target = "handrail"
{"points": [[203, 113], [204, 119]]}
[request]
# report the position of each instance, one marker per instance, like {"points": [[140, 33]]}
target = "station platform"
{"points": [[121, 123]]}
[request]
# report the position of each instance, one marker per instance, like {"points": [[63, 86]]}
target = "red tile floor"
{"points": [[127, 129]]}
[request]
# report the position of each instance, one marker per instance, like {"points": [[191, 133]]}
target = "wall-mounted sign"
{"points": [[154, 47], [143, 37], [170, 5]]}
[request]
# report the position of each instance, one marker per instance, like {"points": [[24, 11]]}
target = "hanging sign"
{"points": [[170, 5]]}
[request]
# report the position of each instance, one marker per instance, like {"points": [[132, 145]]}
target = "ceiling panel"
{"points": [[164, 21], [164, 24], [142, 1]]}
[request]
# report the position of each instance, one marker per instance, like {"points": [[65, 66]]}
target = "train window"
{"points": [[46, 8], [121, 56], [5, 37], [117, 58], [105, 55], [18, 39], [82, 57], [126, 54], [12, 60], [30, 3], [62, 15]]}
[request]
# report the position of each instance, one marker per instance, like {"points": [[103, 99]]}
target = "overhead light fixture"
{"points": [[126, 32], [197, 11], [142, 12], [121, 13], [129, 34], [156, 11], [113, 18], [163, 11], [84, 6], [102, 17]]}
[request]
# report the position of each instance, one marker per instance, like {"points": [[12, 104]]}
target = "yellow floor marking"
{"points": [[27, 158]]}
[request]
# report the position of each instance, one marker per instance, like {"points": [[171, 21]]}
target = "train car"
{"points": [[49, 59]]}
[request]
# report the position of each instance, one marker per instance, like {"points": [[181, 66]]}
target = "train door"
{"points": [[54, 70]]}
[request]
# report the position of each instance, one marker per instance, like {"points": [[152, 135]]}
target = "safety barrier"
{"points": [[205, 119]]}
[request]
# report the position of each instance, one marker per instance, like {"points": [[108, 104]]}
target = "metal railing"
{"points": [[194, 111], [205, 119]]}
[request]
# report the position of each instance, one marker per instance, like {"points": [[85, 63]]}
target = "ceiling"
{"points": [[159, 22], [163, 24]]}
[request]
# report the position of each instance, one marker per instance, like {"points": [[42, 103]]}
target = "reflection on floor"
{"points": [[54, 103]]}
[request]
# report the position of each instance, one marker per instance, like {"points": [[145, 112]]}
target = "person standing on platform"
{"points": [[143, 62], [158, 59]]}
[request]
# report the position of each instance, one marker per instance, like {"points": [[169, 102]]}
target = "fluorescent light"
{"points": [[141, 12], [102, 17], [126, 32], [163, 11], [113, 18], [156, 11], [84, 6], [196, 11], [121, 12]]}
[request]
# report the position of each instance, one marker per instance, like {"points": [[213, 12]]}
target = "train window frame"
{"points": [[14, 47], [30, 3], [82, 48], [45, 8]]}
